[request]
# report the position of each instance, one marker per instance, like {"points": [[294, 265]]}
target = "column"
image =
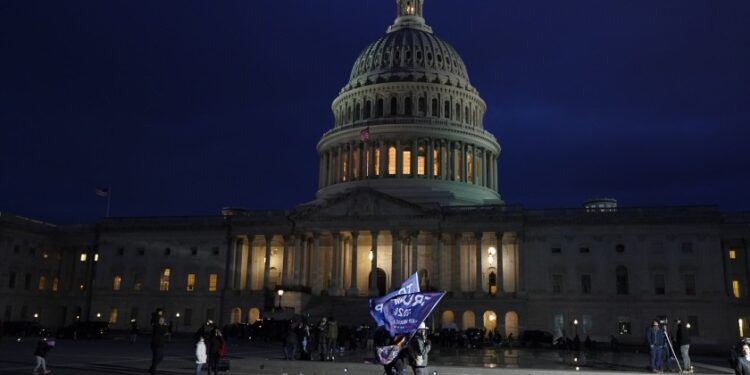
{"points": [[414, 252], [237, 264], [267, 265], [338, 174], [486, 168], [353, 290], [249, 266], [456, 263], [451, 173], [315, 266], [464, 163], [478, 255], [232, 284], [361, 162], [335, 264], [297, 276], [437, 249], [500, 277], [373, 289], [399, 159], [494, 172], [397, 273], [444, 159], [429, 168], [414, 157], [287, 265], [320, 171], [475, 165], [350, 162], [383, 160], [371, 159], [520, 265]]}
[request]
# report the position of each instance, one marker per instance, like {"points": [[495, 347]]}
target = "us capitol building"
{"points": [[408, 183]]}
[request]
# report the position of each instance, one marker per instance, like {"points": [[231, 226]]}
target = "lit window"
{"points": [[113, 316], [377, 161], [55, 284], [741, 323], [407, 162], [96, 257], [116, 282], [469, 166], [368, 173], [435, 163], [355, 163], [421, 161], [391, 160], [343, 167], [136, 282], [164, 281], [42, 283], [84, 256], [191, 282], [732, 254], [736, 289], [459, 164], [213, 281]]}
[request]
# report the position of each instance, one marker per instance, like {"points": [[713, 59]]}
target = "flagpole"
{"points": [[109, 197]]}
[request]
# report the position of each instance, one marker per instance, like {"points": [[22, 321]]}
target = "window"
{"points": [[188, 317], [621, 280], [736, 289], [164, 280], [659, 284], [434, 107], [556, 250], [584, 250], [690, 284], [693, 325], [587, 324], [469, 166], [116, 282], [557, 283], [559, 322], [687, 247], [27, 281], [435, 163], [113, 316], [422, 103], [732, 254], [121, 251], [394, 106], [368, 109], [586, 284], [215, 250], [379, 108], [407, 106], [193, 250], [391, 160], [421, 156], [377, 161], [406, 158], [191, 282], [24, 312], [55, 284], [213, 281], [83, 257], [620, 248], [141, 251], [12, 280], [167, 251], [447, 109], [136, 282], [42, 283]]}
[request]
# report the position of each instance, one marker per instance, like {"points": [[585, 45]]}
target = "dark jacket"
{"points": [[743, 366], [682, 337], [655, 337], [419, 347], [42, 348], [158, 336], [214, 343]]}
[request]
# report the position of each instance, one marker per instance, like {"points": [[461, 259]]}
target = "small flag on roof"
{"points": [[102, 192], [364, 134]]}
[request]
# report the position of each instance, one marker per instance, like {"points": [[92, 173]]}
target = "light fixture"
{"points": [[492, 250], [371, 255], [280, 292], [98, 315], [36, 315], [96, 257], [575, 321], [490, 259], [177, 315]]}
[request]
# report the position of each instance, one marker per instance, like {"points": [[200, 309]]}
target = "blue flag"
{"points": [[403, 313], [410, 285]]}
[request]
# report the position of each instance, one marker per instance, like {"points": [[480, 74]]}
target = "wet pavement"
{"points": [[117, 356]]}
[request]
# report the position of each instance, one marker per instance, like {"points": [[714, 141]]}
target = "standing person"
{"points": [[743, 362], [683, 341], [204, 331], [215, 349], [291, 341], [321, 331], [656, 340], [133, 331], [42, 348], [200, 355], [419, 347], [332, 335], [158, 336]]}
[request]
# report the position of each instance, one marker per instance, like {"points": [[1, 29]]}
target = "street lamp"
{"points": [[177, 322], [281, 293], [575, 326]]}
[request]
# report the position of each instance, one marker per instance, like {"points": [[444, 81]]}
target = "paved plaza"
{"points": [[117, 356]]}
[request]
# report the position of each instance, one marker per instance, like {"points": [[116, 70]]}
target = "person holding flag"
{"points": [[419, 347]]}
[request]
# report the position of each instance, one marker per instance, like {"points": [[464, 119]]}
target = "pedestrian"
{"points": [[332, 335], [743, 362], [158, 337], [204, 331], [133, 331], [683, 341], [419, 347], [320, 331], [216, 349], [42, 348], [290, 342], [200, 355], [656, 340]]}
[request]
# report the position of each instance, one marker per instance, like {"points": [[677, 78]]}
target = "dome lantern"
{"points": [[410, 15]]}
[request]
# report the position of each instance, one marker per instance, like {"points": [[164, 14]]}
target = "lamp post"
{"points": [[575, 326], [177, 322], [281, 293]]}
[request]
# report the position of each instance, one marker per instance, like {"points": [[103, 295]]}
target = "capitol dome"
{"points": [[409, 124]]}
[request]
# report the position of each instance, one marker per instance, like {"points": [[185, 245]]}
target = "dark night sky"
{"points": [[184, 107]]}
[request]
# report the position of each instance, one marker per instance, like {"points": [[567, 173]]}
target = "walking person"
{"points": [[200, 355], [656, 341], [419, 347], [158, 337], [682, 339], [42, 348], [743, 362], [133, 331], [216, 350], [322, 344], [332, 335]]}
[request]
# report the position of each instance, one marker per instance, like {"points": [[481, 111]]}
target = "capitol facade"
{"points": [[408, 183]]}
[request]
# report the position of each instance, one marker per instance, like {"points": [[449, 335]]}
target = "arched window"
{"points": [[447, 109], [236, 316], [116, 283], [434, 107], [421, 160], [406, 159], [621, 275], [424, 281], [356, 111], [381, 279], [458, 112], [253, 315], [348, 113], [377, 161], [511, 324], [164, 279], [466, 115], [368, 109], [492, 287], [422, 106], [379, 108], [407, 106], [394, 106], [448, 320], [489, 320], [391, 160], [469, 320]]}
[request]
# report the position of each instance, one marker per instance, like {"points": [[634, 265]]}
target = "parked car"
{"points": [[24, 328], [536, 339], [85, 330]]}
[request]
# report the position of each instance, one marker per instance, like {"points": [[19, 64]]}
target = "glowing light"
{"points": [[280, 292], [370, 256]]}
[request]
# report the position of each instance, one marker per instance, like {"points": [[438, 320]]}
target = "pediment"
{"points": [[361, 203]]}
